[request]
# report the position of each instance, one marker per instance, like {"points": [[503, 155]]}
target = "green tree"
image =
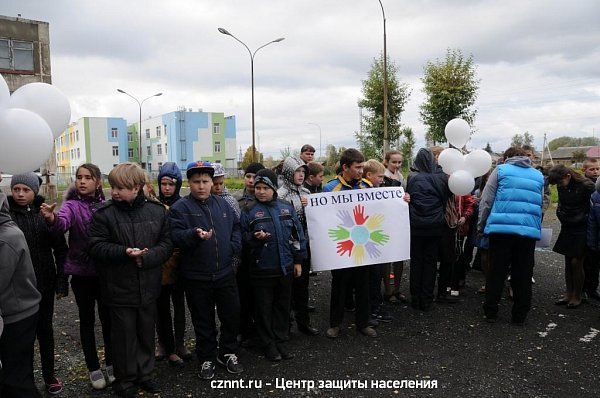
{"points": [[522, 139], [450, 88], [488, 148], [407, 145], [247, 159], [572, 141], [578, 156], [370, 141]]}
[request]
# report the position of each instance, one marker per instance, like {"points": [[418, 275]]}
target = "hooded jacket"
{"points": [[75, 216], [593, 229], [428, 189], [118, 225], [171, 170], [19, 298], [511, 202], [291, 192], [48, 249], [574, 204]]}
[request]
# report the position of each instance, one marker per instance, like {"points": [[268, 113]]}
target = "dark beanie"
{"points": [[29, 179], [268, 177], [254, 168]]}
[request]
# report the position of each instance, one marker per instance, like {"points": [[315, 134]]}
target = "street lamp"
{"points": [[252, 54], [320, 152], [140, 105], [386, 143]]}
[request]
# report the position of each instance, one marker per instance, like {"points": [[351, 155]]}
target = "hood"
{"points": [[425, 162], [290, 165], [73, 194], [4, 209], [171, 170], [521, 161]]}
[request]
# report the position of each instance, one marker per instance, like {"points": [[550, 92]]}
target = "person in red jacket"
{"points": [[466, 205]]}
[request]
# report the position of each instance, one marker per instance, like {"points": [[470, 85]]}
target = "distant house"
{"points": [[569, 155]]}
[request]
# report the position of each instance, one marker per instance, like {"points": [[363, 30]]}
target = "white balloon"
{"points": [[458, 132], [4, 93], [461, 182], [26, 141], [478, 162], [451, 160], [47, 101]]}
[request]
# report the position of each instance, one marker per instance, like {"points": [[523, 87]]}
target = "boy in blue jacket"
{"points": [[207, 232], [277, 245]]}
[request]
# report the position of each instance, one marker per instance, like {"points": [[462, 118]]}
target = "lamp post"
{"points": [[320, 151], [386, 141], [140, 105], [252, 54]]}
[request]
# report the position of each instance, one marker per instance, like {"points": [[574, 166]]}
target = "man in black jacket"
{"points": [[129, 242], [207, 231]]}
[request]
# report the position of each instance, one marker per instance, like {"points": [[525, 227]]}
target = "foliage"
{"points": [[370, 140], [578, 156], [450, 88], [407, 145], [572, 141], [247, 159], [522, 139], [488, 148]]}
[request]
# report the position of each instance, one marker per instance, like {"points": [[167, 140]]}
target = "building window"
{"points": [[159, 165], [158, 131], [77, 135], [216, 128], [217, 147], [147, 133], [72, 152], [130, 137], [115, 151], [130, 152], [16, 55], [166, 153], [149, 167], [165, 129], [114, 133], [149, 150], [78, 153], [159, 149]]}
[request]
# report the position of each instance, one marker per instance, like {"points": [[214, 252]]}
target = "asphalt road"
{"points": [[554, 355]]}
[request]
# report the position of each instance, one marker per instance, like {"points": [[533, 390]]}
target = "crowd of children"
{"points": [[246, 258]]}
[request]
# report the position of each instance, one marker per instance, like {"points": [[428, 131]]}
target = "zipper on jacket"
{"points": [[214, 233]]}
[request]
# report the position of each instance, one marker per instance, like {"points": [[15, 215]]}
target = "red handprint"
{"points": [[359, 215], [345, 246]]}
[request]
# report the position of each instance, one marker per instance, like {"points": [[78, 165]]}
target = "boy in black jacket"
{"points": [[206, 230], [129, 242]]}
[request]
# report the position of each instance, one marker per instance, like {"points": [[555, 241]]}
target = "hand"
{"points": [[204, 235], [47, 212], [261, 235], [340, 233], [134, 252], [297, 270], [375, 221], [359, 215], [461, 221], [406, 197], [372, 250], [345, 246], [304, 201], [379, 237], [59, 296], [345, 218]]}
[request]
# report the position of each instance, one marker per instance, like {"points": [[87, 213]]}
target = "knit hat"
{"points": [[200, 167], [219, 170], [254, 168], [267, 177], [30, 179]]}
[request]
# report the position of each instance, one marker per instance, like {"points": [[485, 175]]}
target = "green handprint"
{"points": [[379, 237], [340, 233]]}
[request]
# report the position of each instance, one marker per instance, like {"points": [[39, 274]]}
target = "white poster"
{"points": [[358, 227]]}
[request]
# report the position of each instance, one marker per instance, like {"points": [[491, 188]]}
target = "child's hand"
{"points": [[204, 235], [461, 221], [406, 197], [297, 270], [135, 252], [304, 201], [47, 212], [59, 296], [261, 235]]}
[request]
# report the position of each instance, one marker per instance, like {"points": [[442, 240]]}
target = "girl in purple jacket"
{"points": [[75, 216]]}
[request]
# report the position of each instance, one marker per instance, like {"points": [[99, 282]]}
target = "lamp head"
{"points": [[278, 40], [121, 91], [224, 31]]}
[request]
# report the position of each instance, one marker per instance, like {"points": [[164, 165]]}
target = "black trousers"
{"points": [[202, 297], [591, 267], [16, 354], [514, 253], [342, 281], [423, 263], [463, 264], [447, 259], [165, 324], [272, 301], [87, 295], [45, 335], [300, 295], [376, 276], [132, 344], [247, 328]]}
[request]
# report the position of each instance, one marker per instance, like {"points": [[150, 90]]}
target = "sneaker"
{"points": [[98, 380], [231, 363], [159, 352], [382, 317], [285, 354], [183, 353], [207, 371], [55, 386], [150, 386], [369, 332], [110, 374], [333, 332], [272, 354]]}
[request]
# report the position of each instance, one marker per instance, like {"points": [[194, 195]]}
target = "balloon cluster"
{"points": [[30, 119], [462, 169]]}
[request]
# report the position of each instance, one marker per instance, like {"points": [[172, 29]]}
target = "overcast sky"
{"points": [[538, 61]]}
